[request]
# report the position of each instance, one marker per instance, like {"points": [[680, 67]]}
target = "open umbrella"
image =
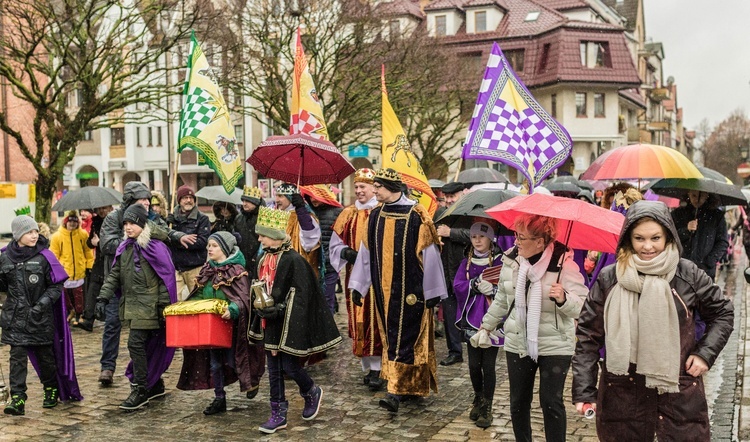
{"points": [[714, 183], [580, 225], [474, 204], [480, 175], [89, 197], [320, 193], [746, 192], [217, 193], [300, 159], [570, 179], [435, 184], [566, 188], [641, 161]]}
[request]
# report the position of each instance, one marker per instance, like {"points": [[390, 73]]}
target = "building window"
{"points": [[79, 98], [516, 59], [553, 106], [595, 54], [480, 21], [545, 58], [395, 28], [88, 135], [118, 136], [158, 136], [581, 104], [441, 28], [138, 136], [239, 133], [150, 136], [599, 105], [532, 16]]}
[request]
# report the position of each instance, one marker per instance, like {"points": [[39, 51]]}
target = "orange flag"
{"points": [[397, 155], [306, 111]]}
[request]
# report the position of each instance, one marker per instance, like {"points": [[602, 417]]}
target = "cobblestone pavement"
{"points": [[349, 410]]}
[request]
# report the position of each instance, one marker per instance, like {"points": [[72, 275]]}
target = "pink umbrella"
{"points": [[580, 225]]}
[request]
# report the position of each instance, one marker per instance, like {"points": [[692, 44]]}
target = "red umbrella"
{"points": [[300, 159], [580, 225]]}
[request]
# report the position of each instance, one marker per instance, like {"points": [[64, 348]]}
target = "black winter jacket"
{"points": [[244, 224], [706, 245], [28, 283], [453, 252], [97, 270], [327, 218], [194, 222]]}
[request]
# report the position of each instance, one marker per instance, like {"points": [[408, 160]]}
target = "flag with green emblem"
{"points": [[205, 122]]}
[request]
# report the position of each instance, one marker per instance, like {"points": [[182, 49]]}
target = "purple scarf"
{"points": [[157, 254]]}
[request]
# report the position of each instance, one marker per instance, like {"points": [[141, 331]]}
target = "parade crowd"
{"points": [[638, 327]]}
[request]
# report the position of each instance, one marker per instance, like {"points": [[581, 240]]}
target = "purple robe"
{"points": [[62, 347], [158, 355], [471, 309]]}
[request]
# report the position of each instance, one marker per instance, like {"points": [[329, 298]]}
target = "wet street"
{"points": [[349, 410]]}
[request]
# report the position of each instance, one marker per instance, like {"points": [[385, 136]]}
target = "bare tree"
{"points": [[111, 54], [728, 142], [702, 133], [346, 42]]}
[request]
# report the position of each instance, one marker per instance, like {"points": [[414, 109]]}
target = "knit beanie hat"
{"points": [[484, 229], [21, 225], [136, 214], [226, 241], [184, 191]]}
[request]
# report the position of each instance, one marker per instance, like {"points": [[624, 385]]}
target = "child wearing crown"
{"points": [[298, 323]]}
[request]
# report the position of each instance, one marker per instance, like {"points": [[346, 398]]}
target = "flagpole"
{"points": [[173, 184], [458, 168]]}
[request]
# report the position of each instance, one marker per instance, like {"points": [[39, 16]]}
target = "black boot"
{"points": [[219, 405], [137, 399], [485, 416], [476, 406], [376, 384], [390, 402]]}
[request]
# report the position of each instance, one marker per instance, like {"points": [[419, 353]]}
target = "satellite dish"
{"points": [[670, 80]]}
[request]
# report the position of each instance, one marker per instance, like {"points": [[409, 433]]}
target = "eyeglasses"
{"points": [[524, 238]]}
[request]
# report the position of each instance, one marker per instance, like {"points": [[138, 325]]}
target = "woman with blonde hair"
{"points": [[541, 291]]}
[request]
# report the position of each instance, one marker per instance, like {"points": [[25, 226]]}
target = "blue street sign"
{"points": [[359, 151]]}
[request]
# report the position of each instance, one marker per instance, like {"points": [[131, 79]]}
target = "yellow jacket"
{"points": [[69, 246]]}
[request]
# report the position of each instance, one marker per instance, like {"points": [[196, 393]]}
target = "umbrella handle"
{"points": [[562, 257]]}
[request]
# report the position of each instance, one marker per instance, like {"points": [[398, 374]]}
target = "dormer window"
{"points": [[516, 59], [441, 29], [595, 54], [480, 21], [532, 16]]}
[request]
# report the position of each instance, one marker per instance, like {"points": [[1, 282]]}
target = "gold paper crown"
{"points": [[272, 218], [388, 174], [26, 210], [364, 175], [252, 192]]}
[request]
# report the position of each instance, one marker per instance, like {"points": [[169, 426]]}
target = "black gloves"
{"points": [[100, 311], [297, 201], [432, 302], [357, 298], [160, 314], [37, 311], [272, 312], [349, 255]]}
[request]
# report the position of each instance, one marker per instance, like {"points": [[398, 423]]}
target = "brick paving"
{"points": [[349, 410]]}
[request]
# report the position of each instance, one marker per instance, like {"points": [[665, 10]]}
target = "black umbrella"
{"points": [[563, 188], [713, 183], [88, 198], [571, 179], [473, 205], [479, 175]]}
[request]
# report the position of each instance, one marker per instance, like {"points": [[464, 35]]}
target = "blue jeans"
{"points": [[452, 333], [291, 365], [111, 336], [219, 357]]}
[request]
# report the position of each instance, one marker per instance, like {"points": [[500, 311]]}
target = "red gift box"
{"points": [[201, 331]]}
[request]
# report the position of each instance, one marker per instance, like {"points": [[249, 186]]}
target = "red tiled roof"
{"points": [[626, 8], [400, 7], [445, 4], [634, 96], [500, 3], [670, 103], [564, 5]]}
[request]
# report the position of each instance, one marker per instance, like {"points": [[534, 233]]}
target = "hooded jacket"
{"points": [[626, 410], [71, 249], [193, 222], [222, 224], [707, 245]]}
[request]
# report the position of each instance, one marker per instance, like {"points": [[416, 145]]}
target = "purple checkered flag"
{"points": [[509, 126]]}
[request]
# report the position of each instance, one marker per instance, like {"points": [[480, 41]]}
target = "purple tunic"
{"points": [[471, 309]]}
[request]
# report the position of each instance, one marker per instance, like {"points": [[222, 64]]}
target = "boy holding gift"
{"points": [[224, 277], [145, 276], [298, 324]]}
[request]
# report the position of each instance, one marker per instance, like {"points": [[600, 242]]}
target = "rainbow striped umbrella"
{"points": [[641, 161]]}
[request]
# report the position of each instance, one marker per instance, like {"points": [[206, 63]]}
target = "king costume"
{"points": [[400, 261]]}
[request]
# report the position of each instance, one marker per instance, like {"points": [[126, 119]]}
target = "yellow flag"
{"points": [[205, 123], [306, 111], [397, 155]]}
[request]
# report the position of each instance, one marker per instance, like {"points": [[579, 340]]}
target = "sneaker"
{"points": [[219, 405], [16, 406], [313, 398], [51, 395], [105, 377], [157, 390], [137, 399], [277, 421]]}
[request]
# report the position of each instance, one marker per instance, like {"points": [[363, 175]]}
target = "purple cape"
{"points": [[62, 347], [158, 355], [471, 309]]}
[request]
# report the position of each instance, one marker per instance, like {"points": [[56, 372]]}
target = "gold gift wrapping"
{"points": [[217, 306]]}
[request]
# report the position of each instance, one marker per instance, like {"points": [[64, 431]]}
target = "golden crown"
{"points": [[364, 175], [273, 218], [252, 192], [388, 174]]}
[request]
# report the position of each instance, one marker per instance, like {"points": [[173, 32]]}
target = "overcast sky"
{"points": [[706, 51]]}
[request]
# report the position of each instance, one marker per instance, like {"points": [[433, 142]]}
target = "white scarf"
{"points": [[641, 325], [533, 273]]}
